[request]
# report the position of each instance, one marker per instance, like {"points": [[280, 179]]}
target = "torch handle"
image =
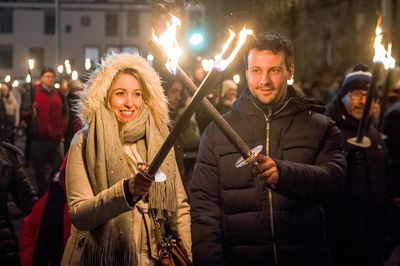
{"points": [[367, 107], [382, 103], [227, 130], [208, 82]]}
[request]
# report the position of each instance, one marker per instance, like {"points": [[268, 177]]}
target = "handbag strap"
{"points": [[165, 243]]}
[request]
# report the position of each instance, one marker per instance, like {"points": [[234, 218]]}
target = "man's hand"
{"points": [[265, 168], [140, 184]]}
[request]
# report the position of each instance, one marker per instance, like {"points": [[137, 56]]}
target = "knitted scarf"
{"points": [[113, 242]]}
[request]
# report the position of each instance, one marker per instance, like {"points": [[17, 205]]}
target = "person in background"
{"points": [[48, 121], [268, 212], [11, 110], [188, 142], [228, 96], [357, 222], [14, 181], [112, 205]]}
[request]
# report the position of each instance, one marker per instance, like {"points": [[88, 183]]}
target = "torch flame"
{"points": [[221, 63], [170, 45], [389, 61], [381, 54], [31, 63], [380, 51]]}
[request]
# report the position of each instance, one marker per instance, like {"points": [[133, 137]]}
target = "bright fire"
{"points": [[167, 40]]}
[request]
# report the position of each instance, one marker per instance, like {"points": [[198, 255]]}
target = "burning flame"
{"points": [[380, 51], [389, 61], [31, 63], [381, 54], [221, 63], [170, 45]]}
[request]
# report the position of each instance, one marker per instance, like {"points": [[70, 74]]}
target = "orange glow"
{"points": [[168, 42]]}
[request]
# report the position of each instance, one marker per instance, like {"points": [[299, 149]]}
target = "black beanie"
{"points": [[357, 80]]}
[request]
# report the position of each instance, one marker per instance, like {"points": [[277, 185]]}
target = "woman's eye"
{"points": [[138, 94], [119, 93]]}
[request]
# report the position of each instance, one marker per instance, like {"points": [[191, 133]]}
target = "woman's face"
{"points": [[126, 97]]}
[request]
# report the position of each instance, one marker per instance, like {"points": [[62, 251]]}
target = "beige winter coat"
{"points": [[108, 203]]}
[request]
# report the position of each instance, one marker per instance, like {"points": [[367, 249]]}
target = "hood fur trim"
{"points": [[95, 90]]}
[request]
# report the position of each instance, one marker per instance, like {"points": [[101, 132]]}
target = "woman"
{"points": [[11, 107], [125, 115]]}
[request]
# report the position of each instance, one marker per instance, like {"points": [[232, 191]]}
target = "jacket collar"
{"points": [[294, 103]]}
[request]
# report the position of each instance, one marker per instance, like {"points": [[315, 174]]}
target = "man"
{"points": [[48, 124], [357, 221], [268, 212]]}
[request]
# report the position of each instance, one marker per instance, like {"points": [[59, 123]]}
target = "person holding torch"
{"points": [[111, 200], [269, 211], [357, 223]]}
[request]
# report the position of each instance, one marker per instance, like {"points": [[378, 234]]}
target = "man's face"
{"points": [[355, 103], [267, 75], [47, 79]]}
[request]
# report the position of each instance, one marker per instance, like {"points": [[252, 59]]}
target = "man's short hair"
{"points": [[47, 69], [274, 42]]}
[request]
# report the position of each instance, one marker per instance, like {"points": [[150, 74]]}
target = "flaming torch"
{"points": [[31, 64], [361, 140], [162, 48], [172, 66]]}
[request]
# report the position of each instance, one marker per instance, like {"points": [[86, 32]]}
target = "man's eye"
{"points": [[275, 70], [256, 71]]}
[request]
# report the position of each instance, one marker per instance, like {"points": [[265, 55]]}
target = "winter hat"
{"points": [[357, 80], [227, 85]]}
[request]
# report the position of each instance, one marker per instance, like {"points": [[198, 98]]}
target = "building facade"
{"points": [[54, 31]]}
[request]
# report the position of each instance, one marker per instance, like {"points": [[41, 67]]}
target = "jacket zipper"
{"points": [[270, 198], [267, 153]]}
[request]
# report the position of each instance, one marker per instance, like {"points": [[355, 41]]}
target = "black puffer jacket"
{"points": [[14, 180], [237, 219], [358, 221]]}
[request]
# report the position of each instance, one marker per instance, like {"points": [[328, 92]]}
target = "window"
{"points": [[93, 53], [6, 20], [85, 21], [111, 24], [49, 22], [113, 49], [131, 50], [133, 23], [38, 55], [6, 55]]}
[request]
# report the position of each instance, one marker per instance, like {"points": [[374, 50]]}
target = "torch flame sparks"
{"points": [[170, 45]]}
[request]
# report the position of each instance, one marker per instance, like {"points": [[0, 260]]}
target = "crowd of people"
{"points": [[311, 197]]}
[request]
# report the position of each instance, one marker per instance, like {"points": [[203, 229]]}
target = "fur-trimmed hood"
{"points": [[95, 90]]}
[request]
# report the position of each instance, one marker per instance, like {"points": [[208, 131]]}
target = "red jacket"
{"points": [[51, 114]]}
